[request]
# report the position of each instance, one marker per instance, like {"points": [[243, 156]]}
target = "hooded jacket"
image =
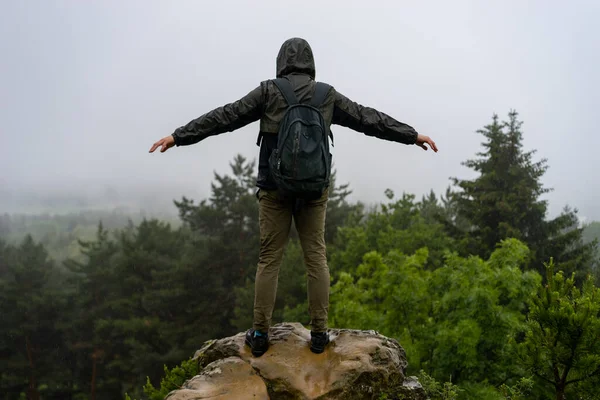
{"points": [[295, 62]]}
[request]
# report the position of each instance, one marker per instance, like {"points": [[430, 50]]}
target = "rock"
{"points": [[229, 378], [355, 365]]}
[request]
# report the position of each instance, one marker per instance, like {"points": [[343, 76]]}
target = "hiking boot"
{"points": [[258, 342], [318, 341]]}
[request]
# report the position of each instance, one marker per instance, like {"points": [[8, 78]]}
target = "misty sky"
{"points": [[86, 88]]}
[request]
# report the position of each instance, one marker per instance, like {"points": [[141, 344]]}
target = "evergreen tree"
{"points": [[226, 226], [133, 308], [338, 208], [30, 301], [95, 287], [154, 313], [504, 201], [561, 346]]}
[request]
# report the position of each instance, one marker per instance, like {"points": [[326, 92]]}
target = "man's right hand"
{"points": [[422, 139], [167, 142]]}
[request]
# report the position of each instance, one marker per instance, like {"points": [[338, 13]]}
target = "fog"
{"points": [[87, 87]]}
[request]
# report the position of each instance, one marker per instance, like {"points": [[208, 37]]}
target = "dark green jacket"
{"points": [[265, 103]]}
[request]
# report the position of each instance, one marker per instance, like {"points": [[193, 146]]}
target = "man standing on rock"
{"points": [[295, 114]]}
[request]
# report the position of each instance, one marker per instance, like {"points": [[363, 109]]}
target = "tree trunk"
{"points": [[560, 392], [93, 384], [32, 392]]}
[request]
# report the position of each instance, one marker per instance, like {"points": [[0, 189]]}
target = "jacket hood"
{"points": [[295, 55]]}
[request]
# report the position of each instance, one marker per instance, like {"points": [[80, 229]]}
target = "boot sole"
{"points": [[318, 350], [254, 353]]}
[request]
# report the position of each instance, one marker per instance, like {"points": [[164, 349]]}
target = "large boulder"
{"points": [[355, 365]]}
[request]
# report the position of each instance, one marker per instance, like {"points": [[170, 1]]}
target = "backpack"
{"points": [[301, 164]]}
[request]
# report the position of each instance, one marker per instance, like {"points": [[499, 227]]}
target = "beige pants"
{"points": [[275, 219]]}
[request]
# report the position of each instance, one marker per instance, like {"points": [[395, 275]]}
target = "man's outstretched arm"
{"points": [[371, 122], [227, 118]]}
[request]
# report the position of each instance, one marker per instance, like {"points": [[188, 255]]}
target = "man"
{"points": [[267, 103]]}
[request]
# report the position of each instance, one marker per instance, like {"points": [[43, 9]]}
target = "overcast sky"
{"points": [[86, 88]]}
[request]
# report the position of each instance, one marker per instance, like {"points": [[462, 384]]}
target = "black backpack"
{"points": [[301, 163]]}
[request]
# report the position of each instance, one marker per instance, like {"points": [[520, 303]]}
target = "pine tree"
{"points": [[504, 201], [561, 347], [338, 208], [226, 227], [94, 286], [154, 314], [30, 303]]}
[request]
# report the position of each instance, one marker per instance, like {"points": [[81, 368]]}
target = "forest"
{"points": [[490, 298]]}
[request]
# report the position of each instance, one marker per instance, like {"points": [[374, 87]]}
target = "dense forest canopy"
{"points": [[490, 298]]}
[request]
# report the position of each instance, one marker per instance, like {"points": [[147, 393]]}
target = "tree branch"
{"points": [[544, 378], [596, 371], [569, 364]]}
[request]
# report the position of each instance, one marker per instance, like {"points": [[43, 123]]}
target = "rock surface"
{"points": [[355, 365]]}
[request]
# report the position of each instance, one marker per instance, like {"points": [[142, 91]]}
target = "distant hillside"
{"points": [[82, 196], [59, 233]]}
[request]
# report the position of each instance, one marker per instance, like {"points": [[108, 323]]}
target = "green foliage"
{"points": [[479, 390], [454, 321], [519, 391], [30, 303], [402, 225], [136, 298], [173, 379], [503, 201], [477, 304], [145, 295], [437, 390], [561, 346]]}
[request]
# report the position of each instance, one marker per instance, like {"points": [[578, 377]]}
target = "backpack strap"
{"points": [[286, 89], [319, 95], [318, 98]]}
